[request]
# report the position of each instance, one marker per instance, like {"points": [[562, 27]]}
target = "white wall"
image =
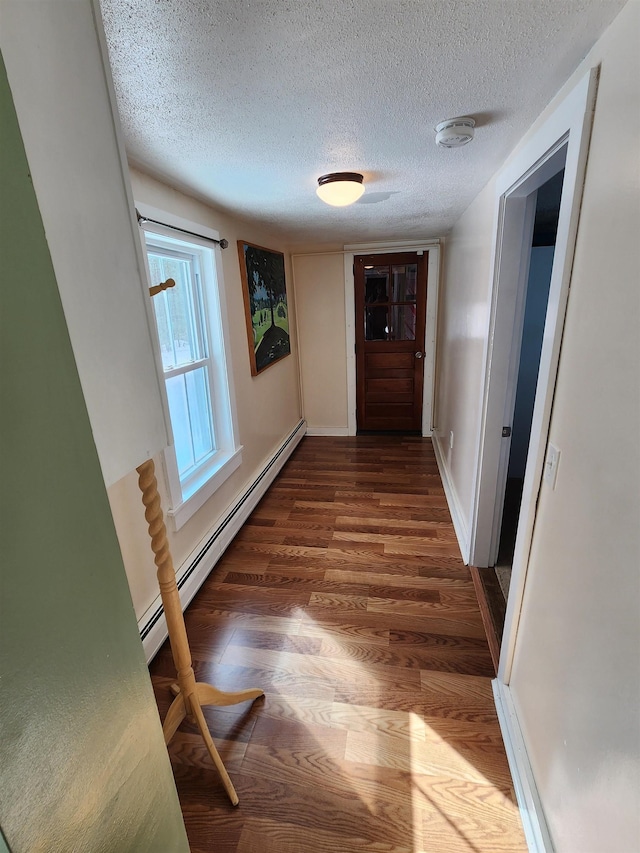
{"points": [[320, 306], [576, 674], [61, 89], [268, 405], [463, 320]]}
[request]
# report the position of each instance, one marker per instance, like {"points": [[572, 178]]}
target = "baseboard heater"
{"points": [[195, 570]]}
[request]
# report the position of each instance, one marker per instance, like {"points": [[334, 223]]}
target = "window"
{"points": [[193, 362]]}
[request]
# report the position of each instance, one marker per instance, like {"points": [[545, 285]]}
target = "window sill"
{"points": [[191, 503]]}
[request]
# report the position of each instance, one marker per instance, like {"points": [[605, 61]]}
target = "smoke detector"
{"points": [[454, 132]]}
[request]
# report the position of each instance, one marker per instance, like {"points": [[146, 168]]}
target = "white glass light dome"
{"points": [[340, 188]]}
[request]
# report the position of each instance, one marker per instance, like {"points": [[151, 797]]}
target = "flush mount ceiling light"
{"points": [[454, 132], [340, 188]]}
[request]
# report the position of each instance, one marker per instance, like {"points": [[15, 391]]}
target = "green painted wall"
{"points": [[83, 766]]}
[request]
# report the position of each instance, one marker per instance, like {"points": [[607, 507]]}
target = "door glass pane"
{"points": [[403, 323], [404, 279], [199, 408], [376, 323], [376, 284], [175, 313]]}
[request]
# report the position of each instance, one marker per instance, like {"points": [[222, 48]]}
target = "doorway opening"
{"points": [[536, 299], [561, 142]]}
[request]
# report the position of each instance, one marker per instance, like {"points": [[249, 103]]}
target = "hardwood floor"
{"points": [[345, 598]]}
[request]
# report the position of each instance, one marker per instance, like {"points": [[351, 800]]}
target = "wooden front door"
{"points": [[390, 307]]}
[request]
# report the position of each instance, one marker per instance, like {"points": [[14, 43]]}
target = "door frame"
{"points": [[519, 219], [568, 125], [432, 249]]}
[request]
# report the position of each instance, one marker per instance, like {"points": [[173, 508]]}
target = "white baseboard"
{"points": [[459, 524], [327, 430], [198, 565], [534, 824]]}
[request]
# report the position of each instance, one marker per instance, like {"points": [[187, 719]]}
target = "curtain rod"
{"points": [[222, 243]]}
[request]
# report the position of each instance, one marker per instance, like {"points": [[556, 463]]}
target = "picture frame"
{"points": [[265, 303]]}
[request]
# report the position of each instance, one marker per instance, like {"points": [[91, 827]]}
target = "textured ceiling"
{"points": [[244, 103]]}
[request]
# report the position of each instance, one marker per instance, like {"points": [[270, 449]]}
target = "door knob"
{"points": [[419, 355]]}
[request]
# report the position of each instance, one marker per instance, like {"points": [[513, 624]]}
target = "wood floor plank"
{"points": [[299, 584], [372, 633], [267, 836], [294, 643], [430, 658], [332, 600], [429, 548], [463, 610], [290, 524], [353, 543], [401, 526], [361, 718], [321, 809], [236, 559], [345, 598], [212, 618], [342, 671], [427, 533], [394, 617], [432, 756], [298, 736], [404, 499], [373, 508], [189, 749], [455, 822], [300, 709], [293, 552], [421, 638], [409, 581], [292, 570], [281, 681]]}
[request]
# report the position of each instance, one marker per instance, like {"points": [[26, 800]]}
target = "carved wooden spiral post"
{"points": [[166, 579], [191, 695]]}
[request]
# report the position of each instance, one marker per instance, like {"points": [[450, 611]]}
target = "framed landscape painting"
{"points": [[265, 301]]}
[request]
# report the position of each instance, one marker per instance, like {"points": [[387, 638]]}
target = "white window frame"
{"points": [[190, 494]]}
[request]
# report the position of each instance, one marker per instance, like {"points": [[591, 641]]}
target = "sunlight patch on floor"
{"points": [[451, 804]]}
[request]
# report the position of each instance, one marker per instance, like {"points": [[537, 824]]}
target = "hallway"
{"points": [[344, 597]]}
